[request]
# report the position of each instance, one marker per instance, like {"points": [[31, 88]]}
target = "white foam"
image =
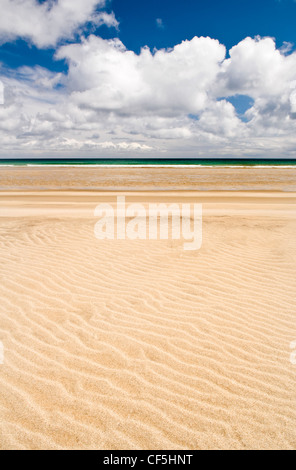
{"points": [[142, 166]]}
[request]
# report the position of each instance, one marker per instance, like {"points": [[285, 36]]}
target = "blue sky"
{"points": [[233, 94], [229, 21]]}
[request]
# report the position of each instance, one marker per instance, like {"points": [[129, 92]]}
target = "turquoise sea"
{"points": [[149, 162]]}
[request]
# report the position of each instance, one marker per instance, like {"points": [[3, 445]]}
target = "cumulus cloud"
{"points": [[1, 93], [293, 97], [113, 102], [257, 68], [44, 24], [104, 75]]}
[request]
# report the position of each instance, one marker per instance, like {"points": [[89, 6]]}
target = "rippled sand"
{"points": [[139, 344]]}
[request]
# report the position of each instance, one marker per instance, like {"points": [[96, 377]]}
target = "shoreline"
{"points": [[142, 166]]}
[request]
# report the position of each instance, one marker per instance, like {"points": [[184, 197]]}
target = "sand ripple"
{"points": [[128, 345]]}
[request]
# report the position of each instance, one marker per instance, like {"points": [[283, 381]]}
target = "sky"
{"points": [[130, 78]]}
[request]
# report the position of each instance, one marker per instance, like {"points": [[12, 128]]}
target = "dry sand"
{"points": [[139, 344]]}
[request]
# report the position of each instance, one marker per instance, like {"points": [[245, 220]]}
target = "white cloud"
{"points": [[293, 97], [113, 102], [1, 93], [258, 69], [46, 23], [159, 23], [105, 76]]}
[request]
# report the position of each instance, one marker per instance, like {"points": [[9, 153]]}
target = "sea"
{"points": [[138, 162]]}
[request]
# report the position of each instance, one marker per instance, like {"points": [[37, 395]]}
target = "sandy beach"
{"points": [[157, 178], [138, 344], [147, 228]]}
